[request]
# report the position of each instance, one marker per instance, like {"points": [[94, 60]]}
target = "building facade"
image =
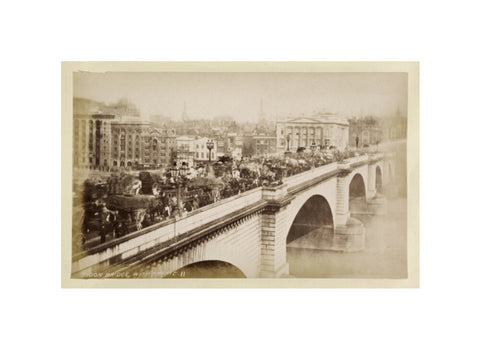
{"points": [[323, 130], [368, 130], [230, 144], [185, 150], [92, 140], [201, 150], [258, 145], [104, 141]]}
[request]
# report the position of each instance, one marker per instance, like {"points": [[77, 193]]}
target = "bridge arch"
{"points": [[357, 187], [315, 214], [208, 269]]}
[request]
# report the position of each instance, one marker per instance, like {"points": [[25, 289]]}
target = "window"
{"points": [[122, 142]]}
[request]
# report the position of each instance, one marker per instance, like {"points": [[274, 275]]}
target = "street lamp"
{"points": [[210, 145], [174, 171], [287, 153], [313, 147], [179, 175], [183, 171]]}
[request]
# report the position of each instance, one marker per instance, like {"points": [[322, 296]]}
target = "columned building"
{"points": [[322, 129]]}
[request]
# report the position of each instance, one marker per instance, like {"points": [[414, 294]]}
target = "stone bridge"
{"points": [[251, 230]]}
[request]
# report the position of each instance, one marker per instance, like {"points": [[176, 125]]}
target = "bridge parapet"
{"points": [[132, 244], [309, 175], [219, 209], [356, 160], [274, 193]]}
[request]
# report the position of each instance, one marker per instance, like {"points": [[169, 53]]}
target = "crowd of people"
{"points": [[128, 202]]}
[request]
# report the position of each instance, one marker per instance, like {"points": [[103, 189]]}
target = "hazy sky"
{"points": [[239, 94]]}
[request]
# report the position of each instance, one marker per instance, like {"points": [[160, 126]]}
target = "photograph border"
{"points": [[412, 68]]}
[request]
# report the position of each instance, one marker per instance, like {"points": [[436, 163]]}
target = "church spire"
{"points": [[261, 115], [184, 112]]}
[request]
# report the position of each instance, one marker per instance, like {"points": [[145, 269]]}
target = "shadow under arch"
{"points": [[211, 269], [315, 214], [357, 198], [356, 189]]}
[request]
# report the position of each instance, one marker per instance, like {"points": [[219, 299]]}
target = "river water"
{"points": [[384, 256]]}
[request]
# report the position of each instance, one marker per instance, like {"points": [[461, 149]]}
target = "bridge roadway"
{"points": [[248, 230]]}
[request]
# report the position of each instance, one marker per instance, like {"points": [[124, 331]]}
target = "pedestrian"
{"points": [[104, 217], [356, 141], [115, 223], [196, 202], [167, 211]]}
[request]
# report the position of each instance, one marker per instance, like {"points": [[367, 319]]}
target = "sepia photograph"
{"points": [[233, 175], [240, 174]]}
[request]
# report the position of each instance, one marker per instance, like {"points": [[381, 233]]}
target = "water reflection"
{"points": [[384, 256]]}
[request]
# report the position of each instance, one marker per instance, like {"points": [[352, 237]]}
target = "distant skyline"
{"points": [[240, 95]]}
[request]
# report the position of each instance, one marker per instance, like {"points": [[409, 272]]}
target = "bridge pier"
{"points": [[348, 233], [371, 185], [342, 213], [274, 246], [349, 237], [377, 205], [274, 233]]}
